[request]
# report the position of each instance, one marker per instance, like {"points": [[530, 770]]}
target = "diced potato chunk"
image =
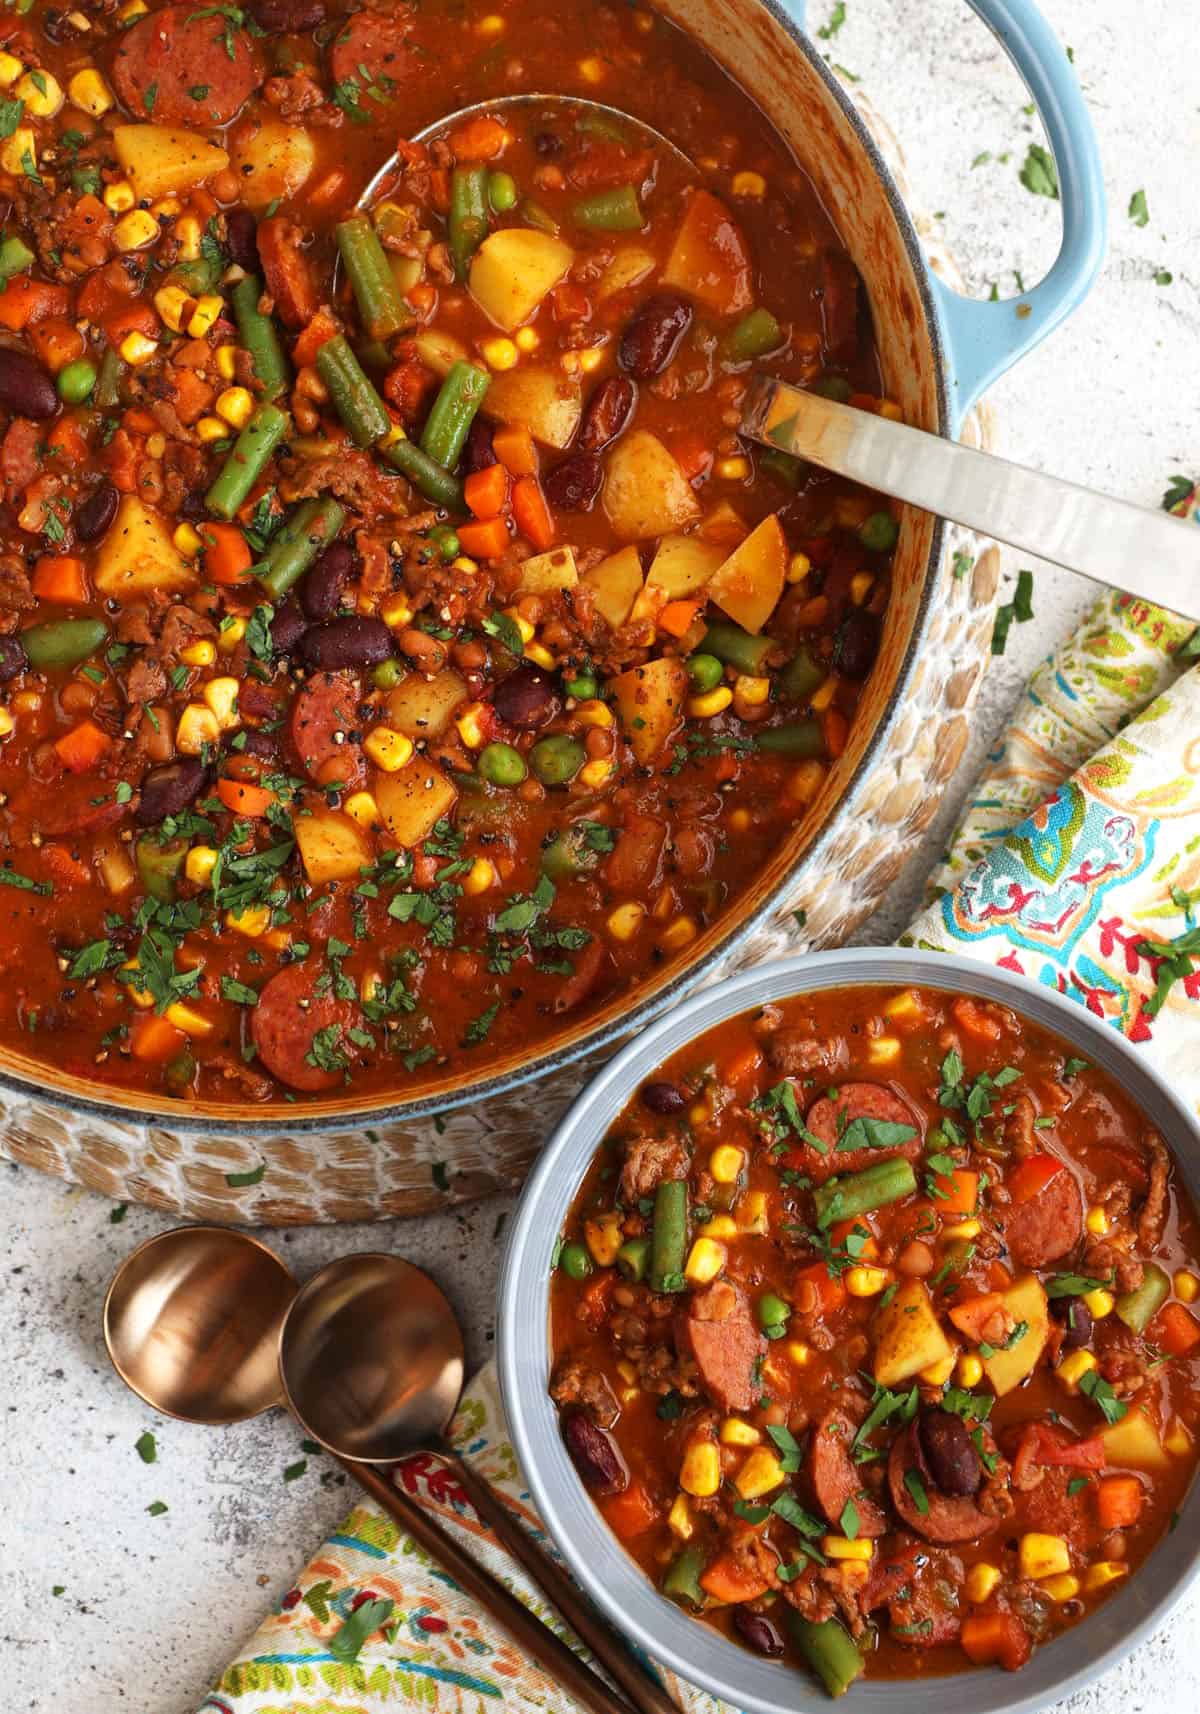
{"points": [[1025, 1301], [709, 260], [1134, 1442], [645, 491], [332, 847], [159, 158], [545, 573], [683, 565], [424, 707], [629, 267], [908, 1336], [512, 271], [544, 401], [412, 801], [273, 163], [440, 351], [724, 525], [649, 701], [749, 583], [138, 555], [616, 583]]}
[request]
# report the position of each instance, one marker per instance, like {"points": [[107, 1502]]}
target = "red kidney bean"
{"points": [[949, 1452], [264, 745], [13, 659], [350, 642], [606, 413], [758, 1631], [548, 143], [321, 591], [595, 1455], [478, 452], [241, 237], [287, 17], [1077, 1320], [526, 699], [652, 337], [288, 628], [574, 484], [94, 517], [170, 789], [25, 388], [662, 1097], [857, 643]]}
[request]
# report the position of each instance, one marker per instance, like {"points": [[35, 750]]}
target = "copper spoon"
{"points": [[370, 1354], [192, 1323]]}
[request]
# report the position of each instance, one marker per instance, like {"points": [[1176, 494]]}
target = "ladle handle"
{"points": [[529, 1633], [609, 1649]]}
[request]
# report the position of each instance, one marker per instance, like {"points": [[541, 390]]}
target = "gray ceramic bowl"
{"points": [[595, 1556]]}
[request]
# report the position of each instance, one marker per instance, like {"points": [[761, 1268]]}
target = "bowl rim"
{"points": [[613, 1580], [210, 1120]]}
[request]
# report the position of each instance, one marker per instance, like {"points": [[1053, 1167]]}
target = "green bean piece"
{"points": [[308, 531], [773, 1314], [180, 1072], [632, 1259], [755, 335], [682, 1580], [380, 304], [861, 1192], [158, 866], [584, 687], [669, 1235], [541, 219], [834, 387], [387, 675], [247, 460], [108, 387], [737, 648], [575, 1261], [705, 671], [615, 210], [354, 398], [556, 760], [800, 740], [828, 1648], [426, 475], [260, 337], [801, 676], [459, 398], [781, 465], [467, 226], [879, 532], [501, 765], [76, 381], [502, 192], [62, 642], [1138, 1308], [15, 257]]}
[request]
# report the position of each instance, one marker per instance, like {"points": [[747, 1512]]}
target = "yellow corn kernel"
{"points": [[861, 585], [627, 1371], [465, 563], [678, 934], [187, 542], [205, 315], [1097, 1222], [841, 1547], [41, 93], [591, 359], [88, 91], [199, 864], [500, 354], [1100, 1302], [603, 1238], [1177, 1441], [526, 339], [279, 939], [739, 820], [591, 70], [187, 1019], [937, 1374], [120, 197], [904, 1005], [470, 727], [799, 566], [140, 995], [981, 1581], [221, 695], [725, 1163], [883, 1050], [1187, 1286], [388, 749], [522, 624], [806, 782], [1043, 1555], [361, 807], [866, 1282], [761, 1472], [699, 1113], [823, 695], [751, 1213], [227, 362], [1103, 1572], [188, 234], [752, 690], [597, 772], [710, 702], [594, 713], [230, 635], [201, 654], [890, 409], [962, 1229], [197, 727], [253, 922], [7, 724], [156, 444], [799, 1352], [135, 230], [679, 1519], [479, 877], [748, 184], [209, 429], [968, 1371], [540, 655], [492, 25], [1062, 1588], [136, 349], [1074, 1366], [132, 9], [700, 1472], [235, 405], [18, 151], [396, 614], [624, 922], [10, 69], [733, 469], [705, 1260], [735, 1432]]}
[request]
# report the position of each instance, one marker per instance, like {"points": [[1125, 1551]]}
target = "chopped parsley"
{"points": [[147, 1448], [1039, 174], [916, 1488], [1101, 1394], [346, 1644]]}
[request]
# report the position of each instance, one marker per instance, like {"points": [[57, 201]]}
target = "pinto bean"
{"points": [[170, 789], [949, 1452], [13, 659], [574, 484], [595, 1455], [241, 235], [757, 1631], [321, 591], [606, 413], [662, 1097], [25, 388], [287, 628], [526, 699], [652, 337], [94, 518], [350, 642], [857, 643]]}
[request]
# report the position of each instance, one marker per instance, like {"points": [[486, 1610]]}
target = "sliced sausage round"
{"points": [[830, 1118], [286, 1022], [717, 1329], [324, 717], [946, 1519], [834, 1478], [376, 43], [1049, 1225], [185, 65]]}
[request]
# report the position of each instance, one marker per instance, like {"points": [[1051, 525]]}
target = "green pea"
{"points": [[502, 192], [501, 765], [583, 687], [387, 675], [76, 381], [772, 1313], [879, 533], [445, 540], [705, 671], [834, 387], [556, 760], [574, 1261]]}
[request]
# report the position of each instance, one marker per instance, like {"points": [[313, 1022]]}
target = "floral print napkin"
{"points": [[1078, 863]]}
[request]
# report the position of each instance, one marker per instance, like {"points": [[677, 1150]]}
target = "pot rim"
{"points": [[209, 1120], [600, 1564]]}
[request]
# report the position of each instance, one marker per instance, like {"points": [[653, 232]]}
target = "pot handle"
{"points": [[985, 339]]}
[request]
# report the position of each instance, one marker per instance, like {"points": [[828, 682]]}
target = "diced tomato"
{"points": [[1175, 1330], [630, 1513], [995, 1638], [1032, 1176], [1044, 1443], [1118, 1502], [593, 1299]]}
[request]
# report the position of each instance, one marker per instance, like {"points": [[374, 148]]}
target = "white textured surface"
{"points": [[151, 1607]]}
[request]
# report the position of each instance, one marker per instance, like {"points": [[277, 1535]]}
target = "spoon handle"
{"points": [[609, 1649], [1148, 553], [529, 1633]]}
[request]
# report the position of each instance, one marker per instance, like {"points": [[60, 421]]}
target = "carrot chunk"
{"points": [[484, 540], [531, 514], [1118, 1502], [486, 491], [60, 577], [82, 747]]}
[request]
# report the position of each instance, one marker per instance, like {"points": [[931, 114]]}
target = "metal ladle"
{"points": [[194, 1323]]}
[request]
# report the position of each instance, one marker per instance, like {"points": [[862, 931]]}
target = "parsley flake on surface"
{"points": [[1039, 174], [146, 1448]]}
